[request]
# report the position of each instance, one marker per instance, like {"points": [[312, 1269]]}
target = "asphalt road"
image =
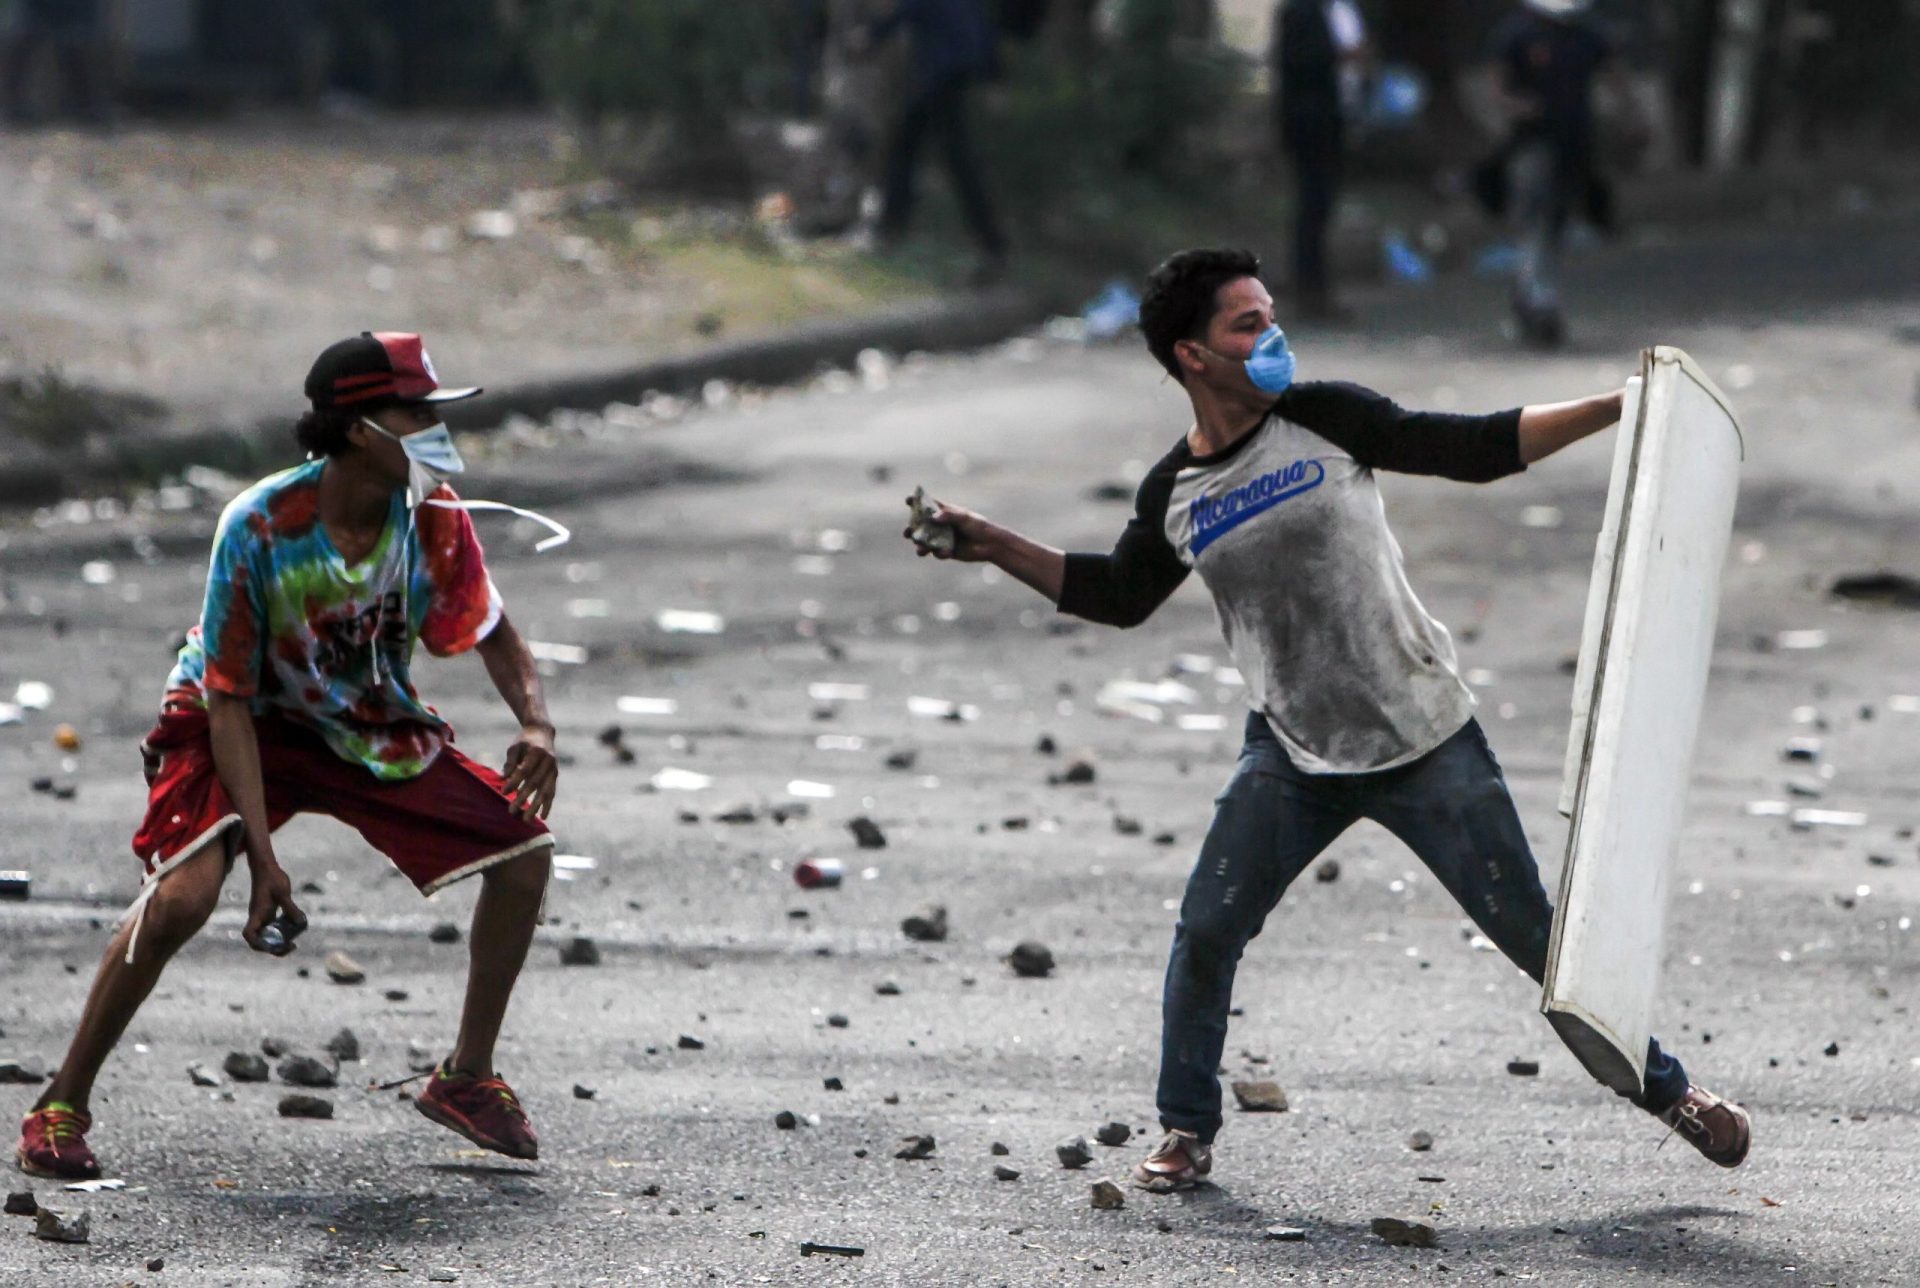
{"points": [[1364, 998]]}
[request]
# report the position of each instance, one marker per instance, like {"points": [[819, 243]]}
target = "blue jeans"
{"points": [[1452, 809]]}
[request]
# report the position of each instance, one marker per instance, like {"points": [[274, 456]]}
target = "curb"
{"points": [[967, 320]]}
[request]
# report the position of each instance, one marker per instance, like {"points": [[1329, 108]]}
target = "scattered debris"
{"points": [[1833, 1049], [344, 1046], [1886, 589], [688, 1042], [443, 1275], [156, 1264], [1807, 749], [686, 621], [1074, 1153], [1328, 872], [1286, 1234], [21, 1203], [1401, 1232], [1001, 1172], [1108, 1197], [998, 1150], [444, 932], [832, 1084], [1524, 1068], [887, 988], [581, 1092], [1114, 1134], [1805, 819], [307, 1071], [342, 969], [940, 538], [420, 1058], [1031, 959], [1420, 1142], [1126, 826], [1260, 1097], [905, 758], [671, 779], [837, 1021], [928, 925], [1076, 774], [62, 1227], [301, 1105], [580, 951], [831, 1250], [786, 1120], [274, 1047], [245, 1066], [23, 1072], [202, 1076], [818, 874], [16, 884], [917, 1147], [867, 834]]}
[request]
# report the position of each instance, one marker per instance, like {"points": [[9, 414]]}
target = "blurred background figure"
{"points": [[810, 25], [1320, 59], [1549, 57], [953, 50], [73, 31]]}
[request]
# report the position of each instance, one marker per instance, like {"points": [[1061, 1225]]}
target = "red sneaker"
{"points": [[53, 1143], [484, 1110]]}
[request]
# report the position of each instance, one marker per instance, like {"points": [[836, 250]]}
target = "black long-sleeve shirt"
{"points": [[1288, 531]]}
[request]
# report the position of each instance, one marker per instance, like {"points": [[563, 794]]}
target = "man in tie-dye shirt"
{"points": [[293, 695]]}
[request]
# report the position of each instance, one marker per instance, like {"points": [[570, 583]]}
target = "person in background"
{"points": [[75, 32], [1320, 57], [953, 50]]}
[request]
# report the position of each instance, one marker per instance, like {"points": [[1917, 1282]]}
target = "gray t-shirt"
{"points": [[1288, 531]]}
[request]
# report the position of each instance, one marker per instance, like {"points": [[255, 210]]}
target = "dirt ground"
{"points": [[1789, 979]]}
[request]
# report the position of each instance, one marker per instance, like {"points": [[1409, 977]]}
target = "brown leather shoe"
{"points": [[1718, 1128], [1178, 1162]]}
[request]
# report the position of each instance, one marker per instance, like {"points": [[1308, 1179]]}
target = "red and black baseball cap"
{"points": [[378, 368]]}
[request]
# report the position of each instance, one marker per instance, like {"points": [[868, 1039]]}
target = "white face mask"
{"points": [[431, 457]]}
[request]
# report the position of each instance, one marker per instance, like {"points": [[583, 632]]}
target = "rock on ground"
{"points": [[1260, 1097]]}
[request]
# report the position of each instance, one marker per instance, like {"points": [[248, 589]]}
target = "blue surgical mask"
{"points": [[1271, 365], [431, 458]]}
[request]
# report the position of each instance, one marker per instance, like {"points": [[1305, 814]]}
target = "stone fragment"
{"points": [[273, 1047], [202, 1076], [342, 969], [420, 1059], [905, 758], [301, 1105], [1126, 826], [929, 925], [444, 932], [1524, 1068], [1031, 959], [581, 1092], [21, 1203], [867, 834], [24, 1071], [443, 1275], [833, 1084], [1420, 1142], [887, 988], [917, 1147], [1114, 1134], [1165, 838], [1402, 1232], [1286, 1234], [786, 1120], [738, 814], [837, 1021], [156, 1264], [307, 1071], [1261, 1097], [1078, 773], [998, 1150], [1328, 872], [1107, 1197], [688, 1042], [245, 1066], [1001, 1172], [579, 951], [396, 995], [344, 1046], [1047, 746], [921, 528], [62, 1227], [1074, 1153]]}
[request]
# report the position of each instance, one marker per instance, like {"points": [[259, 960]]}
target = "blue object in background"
{"points": [[1502, 259], [1399, 97], [1112, 311], [1404, 263]]}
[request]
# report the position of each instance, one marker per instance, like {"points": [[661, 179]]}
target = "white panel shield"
{"points": [[1642, 680]]}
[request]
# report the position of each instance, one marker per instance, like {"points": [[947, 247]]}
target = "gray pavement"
{"points": [[1364, 998]]}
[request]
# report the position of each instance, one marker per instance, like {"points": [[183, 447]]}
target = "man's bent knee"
{"points": [[186, 898], [523, 876]]}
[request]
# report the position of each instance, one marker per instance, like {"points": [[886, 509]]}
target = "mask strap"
{"points": [[561, 535]]}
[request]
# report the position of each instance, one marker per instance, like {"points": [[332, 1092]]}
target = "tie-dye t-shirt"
{"points": [[289, 624]]}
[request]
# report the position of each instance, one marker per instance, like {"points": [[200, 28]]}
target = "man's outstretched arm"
{"points": [[532, 772], [1545, 428]]}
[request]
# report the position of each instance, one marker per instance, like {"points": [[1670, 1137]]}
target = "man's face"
{"points": [[1242, 310], [399, 420]]}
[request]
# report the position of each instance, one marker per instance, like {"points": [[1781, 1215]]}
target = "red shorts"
{"points": [[450, 822]]}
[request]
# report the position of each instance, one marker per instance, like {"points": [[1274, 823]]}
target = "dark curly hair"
{"points": [[1181, 298], [323, 430]]}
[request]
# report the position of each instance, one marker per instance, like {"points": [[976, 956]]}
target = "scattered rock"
{"points": [[1420, 1142], [307, 1071], [786, 1120], [867, 834], [25, 1071], [1107, 1197], [917, 1147], [420, 1059], [1260, 1097], [156, 1264], [1524, 1068], [1114, 1134], [929, 925], [1077, 774], [245, 1066], [1165, 838], [62, 1227], [579, 951], [443, 1275], [1286, 1234], [396, 995], [583, 1093], [688, 1042], [1018, 823], [1126, 826], [1031, 959], [1074, 1153], [201, 1076], [344, 1046], [998, 1150], [887, 988], [1047, 746], [738, 814], [1833, 1048], [1001, 1172], [1328, 872], [21, 1203], [301, 1105], [273, 1048], [837, 1021], [1404, 1233], [833, 1084], [342, 969], [444, 932], [1887, 589]]}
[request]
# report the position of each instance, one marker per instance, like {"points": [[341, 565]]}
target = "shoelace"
{"points": [[61, 1126], [1688, 1115]]}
